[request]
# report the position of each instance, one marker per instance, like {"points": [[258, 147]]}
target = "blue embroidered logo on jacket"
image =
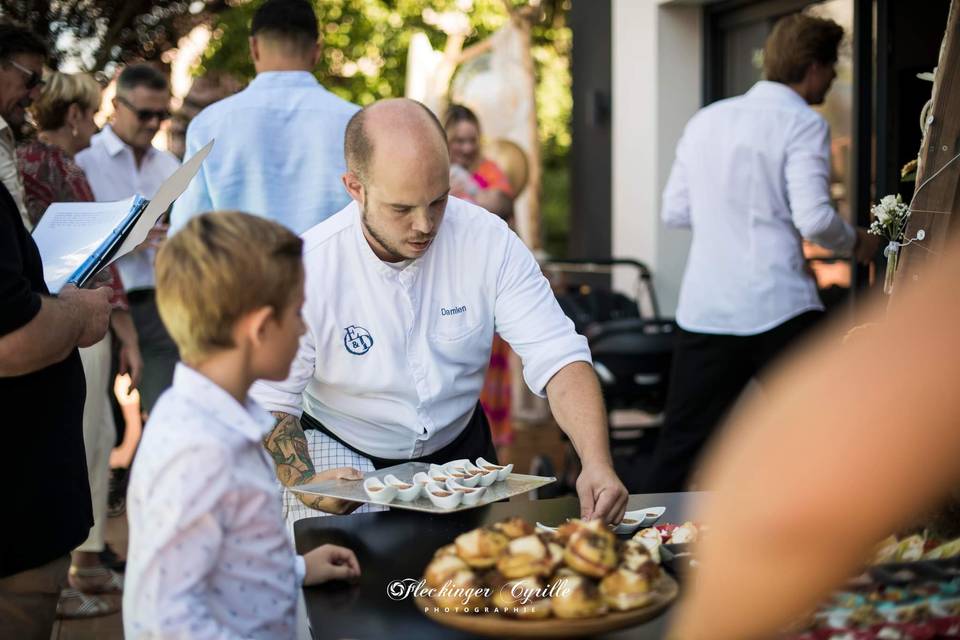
{"points": [[357, 340]]}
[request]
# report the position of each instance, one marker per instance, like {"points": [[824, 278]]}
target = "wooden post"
{"points": [[938, 186]]}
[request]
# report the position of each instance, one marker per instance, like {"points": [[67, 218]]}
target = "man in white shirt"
{"points": [[405, 288], [120, 162], [751, 179], [279, 150], [21, 79]]}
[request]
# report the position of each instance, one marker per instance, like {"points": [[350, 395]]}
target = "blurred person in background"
{"points": [[22, 78], [472, 176], [121, 161], [279, 149], [751, 180], [64, 116], [481, 181], [799, 504]]}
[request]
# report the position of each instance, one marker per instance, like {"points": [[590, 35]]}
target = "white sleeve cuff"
{"points": [[300, 568], [275, 400], [537, 380]]}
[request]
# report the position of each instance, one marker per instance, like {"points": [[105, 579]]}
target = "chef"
{"points": [[405, 288]]}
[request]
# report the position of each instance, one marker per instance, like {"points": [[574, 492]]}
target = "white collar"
{"points": [[114, 144], [777, 90], [250, 420]]}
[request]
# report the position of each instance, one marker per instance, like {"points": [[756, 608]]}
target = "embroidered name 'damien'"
{"points": [[453, 311]]}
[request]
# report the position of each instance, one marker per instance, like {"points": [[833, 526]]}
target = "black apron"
{"points": [[473, 442]]}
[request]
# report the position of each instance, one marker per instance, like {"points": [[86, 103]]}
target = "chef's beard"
{"points": [[395, 253]]}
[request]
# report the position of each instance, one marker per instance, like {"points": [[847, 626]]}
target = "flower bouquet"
{"points": [[890, 221]]}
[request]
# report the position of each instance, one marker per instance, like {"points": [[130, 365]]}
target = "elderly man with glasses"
{"points": [[21, 77], [120, 162], [41, 385]]}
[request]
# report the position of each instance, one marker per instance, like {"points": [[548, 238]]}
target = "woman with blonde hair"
{"points": [[64, 118]]}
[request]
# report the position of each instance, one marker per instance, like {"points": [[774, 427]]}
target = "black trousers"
{"points": [[156, 346], [708, 373], [473, 442]]}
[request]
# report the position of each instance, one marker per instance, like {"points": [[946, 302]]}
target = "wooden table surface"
{"points": [[397, 544]]}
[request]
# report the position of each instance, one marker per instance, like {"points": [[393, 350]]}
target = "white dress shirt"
{"points": [[393, 360], [9, 172], [278, 153], [751, 177], [209, 555], [113, 174]]}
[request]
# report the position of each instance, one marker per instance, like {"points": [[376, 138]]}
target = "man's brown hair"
{"points": [[796, 42], [218, 268]]}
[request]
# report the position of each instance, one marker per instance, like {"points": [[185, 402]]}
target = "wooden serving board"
{"points": [[497, 625]]}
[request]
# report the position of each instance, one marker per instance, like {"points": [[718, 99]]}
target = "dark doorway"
{"points": [[590, 153], [908, 43]]}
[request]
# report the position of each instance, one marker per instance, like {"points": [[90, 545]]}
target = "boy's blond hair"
{"points": [[219, 267]]}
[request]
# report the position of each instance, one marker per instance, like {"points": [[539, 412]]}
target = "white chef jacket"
{"points": [[113, 174], [751, 178], [393, 360]]}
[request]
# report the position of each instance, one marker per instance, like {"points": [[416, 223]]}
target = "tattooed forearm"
{"points": [[287, 445]]}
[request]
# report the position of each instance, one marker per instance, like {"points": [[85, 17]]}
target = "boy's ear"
{"points": [[255, 324]]}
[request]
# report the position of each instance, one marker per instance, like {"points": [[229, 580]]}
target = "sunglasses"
{"points": [[34, 79], [145, 115]]}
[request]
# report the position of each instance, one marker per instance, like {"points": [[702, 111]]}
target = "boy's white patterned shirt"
{"points": [[209, 556]]}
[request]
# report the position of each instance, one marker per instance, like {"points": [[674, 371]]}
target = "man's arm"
{"points": [[675, 208], [807, 172], [557, 360], [76, 318], [287, 445], [577, 405]]}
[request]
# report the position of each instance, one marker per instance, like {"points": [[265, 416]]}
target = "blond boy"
{"points": [[209, 554]]}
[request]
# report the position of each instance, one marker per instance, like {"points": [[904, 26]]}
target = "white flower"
{"points": [[889, 202], [884, 216]]}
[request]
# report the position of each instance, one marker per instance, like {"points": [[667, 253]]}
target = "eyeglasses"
{"points": [[34, 78], [145, 115]]}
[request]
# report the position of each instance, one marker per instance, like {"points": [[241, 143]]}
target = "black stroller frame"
{"points": [[632, 348]]}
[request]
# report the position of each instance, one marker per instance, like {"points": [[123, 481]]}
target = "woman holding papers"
{"points": [[64, 115]]}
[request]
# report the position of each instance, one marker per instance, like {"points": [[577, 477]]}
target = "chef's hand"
{"points": [[602, 495], [330, 562], [327, 504]]}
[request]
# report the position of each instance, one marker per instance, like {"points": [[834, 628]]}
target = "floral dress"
{"points": [[49, 176]]}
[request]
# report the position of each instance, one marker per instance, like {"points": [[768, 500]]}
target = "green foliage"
{"points": [[100, 33], [555, 208], [365, 42]]}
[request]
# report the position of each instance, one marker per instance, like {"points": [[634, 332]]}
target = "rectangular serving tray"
{"points": [[515, 484]]}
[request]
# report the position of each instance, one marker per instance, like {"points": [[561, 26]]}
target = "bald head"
{"points": [[393, 131]]}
